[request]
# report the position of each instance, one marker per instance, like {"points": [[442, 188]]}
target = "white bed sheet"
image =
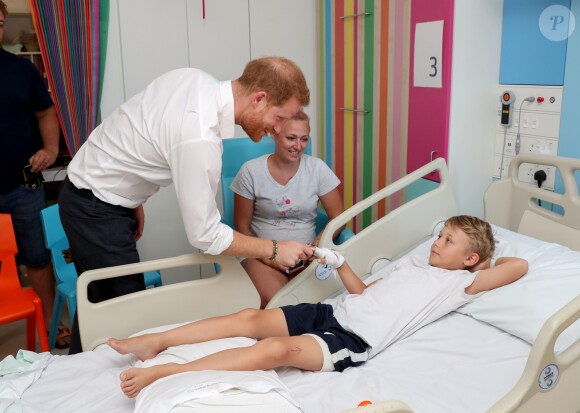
{"points": [[89, 382], [454, 365]]}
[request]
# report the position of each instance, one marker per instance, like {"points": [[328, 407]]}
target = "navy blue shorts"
{"points": [[25, 205], [345, 349]]}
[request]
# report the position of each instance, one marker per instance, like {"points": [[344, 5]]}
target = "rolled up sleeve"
{"points": [[196, 170]]}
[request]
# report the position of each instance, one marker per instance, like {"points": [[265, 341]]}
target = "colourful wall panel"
{"points": [[364, 62]]}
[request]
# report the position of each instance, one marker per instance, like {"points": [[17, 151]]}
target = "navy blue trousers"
{"points": [[100, 235]]}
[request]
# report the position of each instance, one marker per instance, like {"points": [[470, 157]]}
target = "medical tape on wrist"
{"points": [[333, 258]]}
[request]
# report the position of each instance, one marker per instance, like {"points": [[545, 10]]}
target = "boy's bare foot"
{"points": [[135, 379], [145, 347]]}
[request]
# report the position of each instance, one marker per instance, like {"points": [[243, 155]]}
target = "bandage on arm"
{"points": [[332, 258]]}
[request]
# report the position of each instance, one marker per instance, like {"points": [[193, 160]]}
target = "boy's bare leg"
{"points": [[246, 323], [302, 352]]}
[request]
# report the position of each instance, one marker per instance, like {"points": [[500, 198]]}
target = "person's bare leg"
{"points": [[267, 280], [302, 352], [42, 282], [246, 323]]}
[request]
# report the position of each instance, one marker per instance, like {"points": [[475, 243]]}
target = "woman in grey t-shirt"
{"points": [[276, 196]]}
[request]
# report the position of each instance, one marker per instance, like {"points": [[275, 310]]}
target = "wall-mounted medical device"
{"points": [[533, 126], [507, 99]]}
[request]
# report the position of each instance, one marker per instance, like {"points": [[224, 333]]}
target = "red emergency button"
{"points": [[540, 99]]}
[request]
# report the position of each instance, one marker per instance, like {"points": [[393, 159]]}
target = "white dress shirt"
{"points": [[169, 132]]}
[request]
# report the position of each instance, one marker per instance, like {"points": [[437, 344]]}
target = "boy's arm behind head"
{"points": [[505, 271]]}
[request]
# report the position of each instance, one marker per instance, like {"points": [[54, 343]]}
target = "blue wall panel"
{"points": [[569, 142], [528, 55]]}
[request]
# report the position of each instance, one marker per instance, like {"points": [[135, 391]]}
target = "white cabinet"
{"points": [[153, 40], [219, 42]]}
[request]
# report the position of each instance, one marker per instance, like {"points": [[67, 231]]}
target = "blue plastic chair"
{"points": [[239, 150], [65, 273]]}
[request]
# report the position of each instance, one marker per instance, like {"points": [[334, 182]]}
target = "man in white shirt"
{"points": [[171, 133]]}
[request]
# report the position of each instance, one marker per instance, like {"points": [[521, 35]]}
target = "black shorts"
{"points": [[344, 349]]}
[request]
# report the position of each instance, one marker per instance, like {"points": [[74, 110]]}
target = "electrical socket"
{"points": [[527, 171]]}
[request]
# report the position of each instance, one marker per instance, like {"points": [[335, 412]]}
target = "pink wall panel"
{"points": [[429, 107]]}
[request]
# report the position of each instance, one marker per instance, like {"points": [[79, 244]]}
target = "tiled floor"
{"points": [[13, 335]]}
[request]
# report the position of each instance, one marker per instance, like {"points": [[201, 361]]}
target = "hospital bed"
{"points": [[514, 349]]}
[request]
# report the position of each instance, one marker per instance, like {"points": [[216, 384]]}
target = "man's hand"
{"points": [[273, 264], [290, 252], [42, 159], [140, 217]]}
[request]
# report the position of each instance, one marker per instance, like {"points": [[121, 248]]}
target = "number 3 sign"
{"points": [[427, 58]]}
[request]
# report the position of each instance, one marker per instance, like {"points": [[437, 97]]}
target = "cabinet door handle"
{"points": [[354, 110], [354, 15]]}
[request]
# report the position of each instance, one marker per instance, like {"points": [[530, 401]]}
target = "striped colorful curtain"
{"points": [[364, 90], [72, 35]]}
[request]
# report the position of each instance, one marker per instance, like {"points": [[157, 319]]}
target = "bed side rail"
{"points": [[229, 291], [549, 382], [511, 203], [386, 238]]}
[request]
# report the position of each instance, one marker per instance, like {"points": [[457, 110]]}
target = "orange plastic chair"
{"points": [[17, 303]]}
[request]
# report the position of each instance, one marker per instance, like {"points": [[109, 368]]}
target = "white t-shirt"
{"points": [[285, 212], [169, 132], [412, 295]]}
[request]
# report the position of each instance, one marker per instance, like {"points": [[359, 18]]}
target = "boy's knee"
{"points": [[248, 318], [275, 348], [249, 314]]}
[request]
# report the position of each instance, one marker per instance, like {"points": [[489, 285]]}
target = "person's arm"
{"points": [[333, 206], [350, 280], [287, 253], [505, 271], [352, 283], [243, 214], [50, 133]]}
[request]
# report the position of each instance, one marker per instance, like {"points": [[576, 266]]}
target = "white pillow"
{"points": [[522, 308]]}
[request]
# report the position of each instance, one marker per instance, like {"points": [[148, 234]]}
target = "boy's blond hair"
{"points": [[479, 234]]}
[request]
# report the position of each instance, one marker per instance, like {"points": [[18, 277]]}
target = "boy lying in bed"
{"points": [[349, 330]]}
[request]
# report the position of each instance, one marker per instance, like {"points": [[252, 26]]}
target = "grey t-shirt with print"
{"points": [[285, 212]]}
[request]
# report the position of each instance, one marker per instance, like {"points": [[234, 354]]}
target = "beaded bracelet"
{"points": [[274, 250]]}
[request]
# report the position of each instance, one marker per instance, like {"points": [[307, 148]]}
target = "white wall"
{"points": [[475, 76]]}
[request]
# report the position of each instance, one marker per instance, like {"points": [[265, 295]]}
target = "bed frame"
{"points": [[508, 203]]}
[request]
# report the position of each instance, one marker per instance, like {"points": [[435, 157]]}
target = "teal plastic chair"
{"points": [[65, 273], [239, 150]]}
